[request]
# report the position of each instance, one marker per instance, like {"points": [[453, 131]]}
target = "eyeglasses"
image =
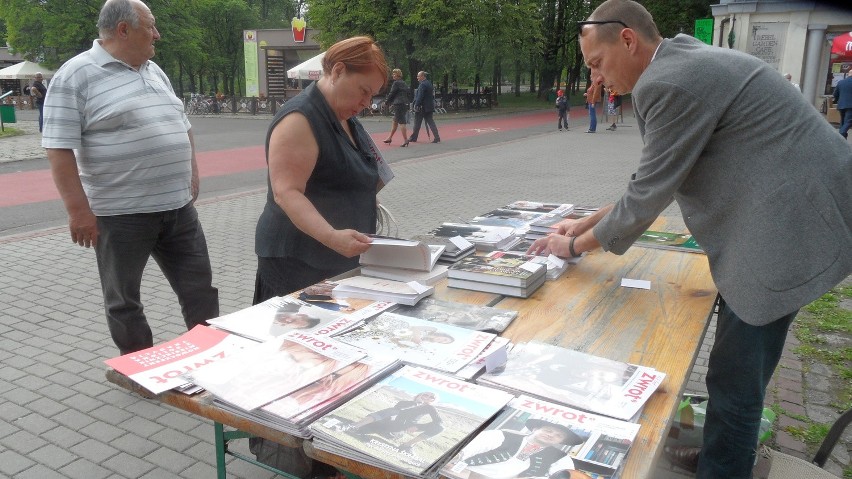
{"points": [[580, 25]]}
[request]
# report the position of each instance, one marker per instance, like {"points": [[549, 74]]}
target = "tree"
{"points": [[50, 31]]}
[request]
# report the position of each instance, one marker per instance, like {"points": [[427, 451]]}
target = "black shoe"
{"points": [[387, 141], [413, 140], [436, 140], [403, 145], [685, 457]]}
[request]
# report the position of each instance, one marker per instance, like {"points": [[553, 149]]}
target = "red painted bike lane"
{"points": [[36, 186]]}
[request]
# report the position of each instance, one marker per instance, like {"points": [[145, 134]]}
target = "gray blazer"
{"points": [[764, 183]]}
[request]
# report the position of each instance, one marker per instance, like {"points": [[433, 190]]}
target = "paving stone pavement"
{"points": [[60, 418]]}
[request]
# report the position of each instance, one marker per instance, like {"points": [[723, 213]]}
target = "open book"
{"points": [[401, 253]]}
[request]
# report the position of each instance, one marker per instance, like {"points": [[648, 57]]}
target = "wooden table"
{"points": [[587, 310]]}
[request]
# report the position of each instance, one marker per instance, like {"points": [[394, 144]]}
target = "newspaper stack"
{"points": [[576, 379], [536, 438], [409, 423]]}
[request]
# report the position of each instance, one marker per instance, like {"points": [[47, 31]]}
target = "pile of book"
{"points": [[377, 289], [507, 275], [522, 215], [410, 423], [545, 225], [576, 379]]}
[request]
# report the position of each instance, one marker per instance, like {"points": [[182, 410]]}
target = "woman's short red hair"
{"points": [[359, 54]]}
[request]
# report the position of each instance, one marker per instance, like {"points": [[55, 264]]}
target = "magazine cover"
{"points": [[468, 316], [672, 241], [275, 317], [273, 369], [161, 367], [332, 387], [417, 341], [409, 421], [536, 438], [580, 380]]}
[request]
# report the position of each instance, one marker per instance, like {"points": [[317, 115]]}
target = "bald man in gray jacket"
{"points": [[764, 184]]}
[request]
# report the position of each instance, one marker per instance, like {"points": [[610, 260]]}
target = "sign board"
{"points": [[250, 55], [704, 30], [766, 41]]}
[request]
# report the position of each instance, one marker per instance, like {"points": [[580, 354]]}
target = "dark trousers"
{"points": [[40, 106], [593, 116], [741, 364], [845, 121], [176, 241], [430, 124], [563, 118]]}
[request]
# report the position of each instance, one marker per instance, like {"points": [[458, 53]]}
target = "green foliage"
{"points": [[471, 42]]}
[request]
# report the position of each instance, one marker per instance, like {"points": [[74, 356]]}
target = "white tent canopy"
{"points": [[24, 71], [307, 70]]}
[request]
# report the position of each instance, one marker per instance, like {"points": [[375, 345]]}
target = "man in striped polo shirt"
{"points": [[122, 157]]}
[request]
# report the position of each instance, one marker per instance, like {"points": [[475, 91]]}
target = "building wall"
{"points": [[280, 43], [804, 29]]}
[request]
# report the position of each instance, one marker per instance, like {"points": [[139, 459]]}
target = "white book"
{"points": [[377, 289], [438, 272], [400, 253]]}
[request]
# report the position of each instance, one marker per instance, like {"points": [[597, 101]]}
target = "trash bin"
{"points": [[7, 113]]}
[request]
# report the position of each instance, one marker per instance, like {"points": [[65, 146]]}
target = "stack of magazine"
{"points": [[580, 380], [419, 342], [410, 422], [160, 367], [536, 438], [264, 372], [507, 275], [296, 411]]}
